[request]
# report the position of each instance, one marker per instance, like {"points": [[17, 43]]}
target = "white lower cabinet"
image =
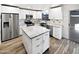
{"points": [[36, 45], [57, 32], [27, 43], [46, 42]]}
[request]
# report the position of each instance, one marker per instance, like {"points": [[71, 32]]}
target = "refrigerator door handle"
{"points": [[69, 24]]}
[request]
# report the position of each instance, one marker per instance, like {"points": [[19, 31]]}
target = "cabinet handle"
{"points": [[46, 34], [43, 41], [38, 45], [38, 53], [38, 39]]}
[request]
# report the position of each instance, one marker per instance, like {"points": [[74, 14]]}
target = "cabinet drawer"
{"points": [[37, 49], [37, 40], [46, 36]]}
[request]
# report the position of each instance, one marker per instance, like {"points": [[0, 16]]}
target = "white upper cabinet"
{"points": [[26, 11], [39, 14], [51, 14], [23, 13], [31, 12], [6, 9], [55, 13], [34, 14]]}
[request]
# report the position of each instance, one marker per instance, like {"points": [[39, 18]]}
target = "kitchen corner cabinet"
{"points": [[36, 44], [57, 32], [55, 13]]}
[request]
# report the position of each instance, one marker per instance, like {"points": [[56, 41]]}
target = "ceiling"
{"points": [[37, 6]]}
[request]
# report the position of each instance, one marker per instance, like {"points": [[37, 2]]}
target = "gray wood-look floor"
{"points": [[63, 46]]}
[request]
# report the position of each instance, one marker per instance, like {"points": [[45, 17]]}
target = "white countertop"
{"points": [[33, 31], [55, 23]]}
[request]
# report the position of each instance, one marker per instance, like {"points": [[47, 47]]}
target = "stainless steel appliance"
{"points": [[45, 17], [9, 26], [28, 20], [74, 26]]}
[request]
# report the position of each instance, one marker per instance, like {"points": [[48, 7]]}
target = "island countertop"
{"points": [[33, 31]]}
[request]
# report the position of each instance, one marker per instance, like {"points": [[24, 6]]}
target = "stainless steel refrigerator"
{"points": [[9, 26], [74, 26]]}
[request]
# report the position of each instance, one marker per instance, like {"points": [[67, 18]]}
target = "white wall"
{"points": [[66, 17], [0, 23]]}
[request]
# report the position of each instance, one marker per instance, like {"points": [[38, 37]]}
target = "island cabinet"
{"points": [[38, 42]]}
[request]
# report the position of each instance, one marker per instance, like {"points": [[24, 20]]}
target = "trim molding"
{"points": [[9, 5], [20, 7], [56, 6]]}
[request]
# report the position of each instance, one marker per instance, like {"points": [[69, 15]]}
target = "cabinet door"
{"points": [[5, 27], [39, 15], [56, 13], [27, 43], [57, 32], [34, 14], [46, 41], [37, 49]]}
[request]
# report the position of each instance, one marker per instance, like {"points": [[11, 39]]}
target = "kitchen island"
{"points": [[36, 39]]}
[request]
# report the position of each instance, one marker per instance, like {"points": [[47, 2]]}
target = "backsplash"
{"points": [[55, 21], [37, 21]]}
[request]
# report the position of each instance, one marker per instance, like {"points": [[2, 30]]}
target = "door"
{"points": [[16, 25], [74, 27], [5, 35], [11, 26]]}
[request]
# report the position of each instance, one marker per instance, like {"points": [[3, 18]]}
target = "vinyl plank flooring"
{"points": [[63, 46], [54, 45]]}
